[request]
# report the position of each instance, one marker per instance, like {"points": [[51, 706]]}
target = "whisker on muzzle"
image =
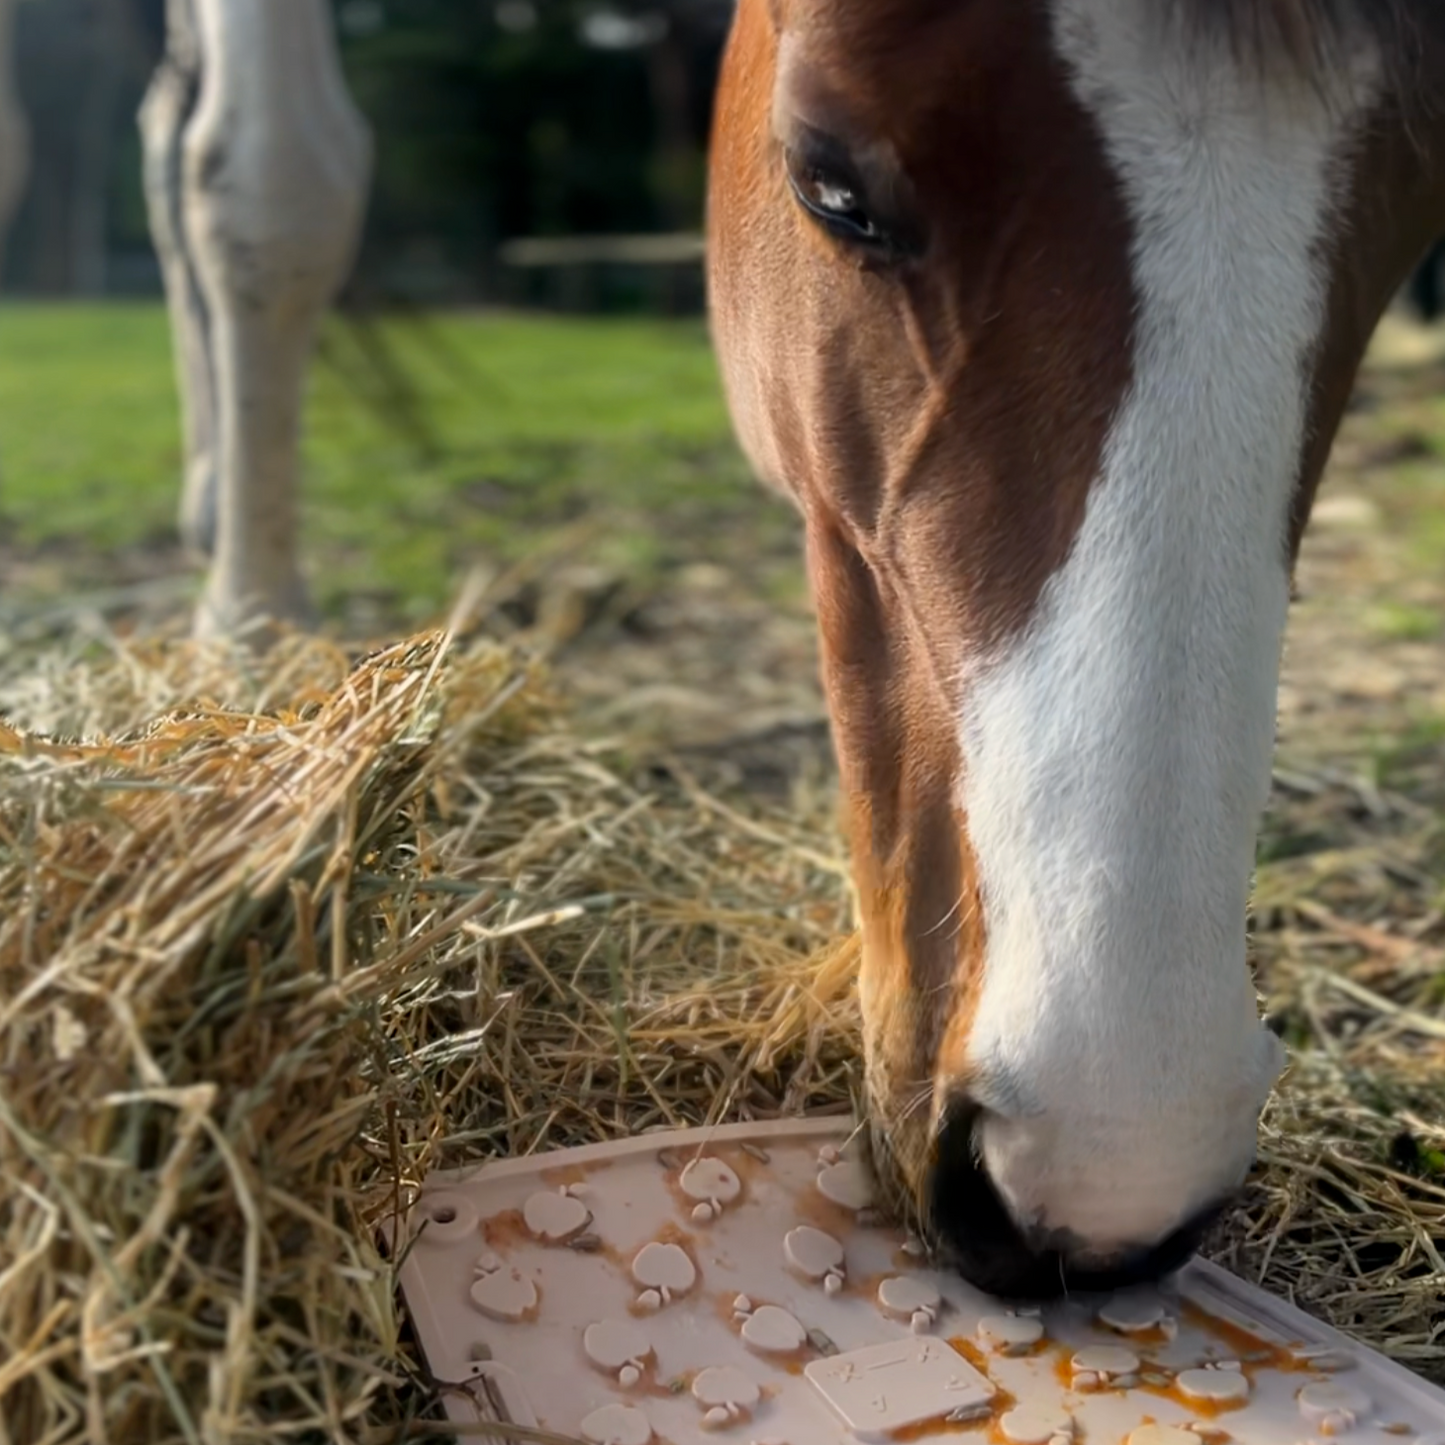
{"points": [[896, 1197]]}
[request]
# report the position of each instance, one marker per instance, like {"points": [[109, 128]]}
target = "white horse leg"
{"points": [[168, 106], [14, 132], [276, 163]]}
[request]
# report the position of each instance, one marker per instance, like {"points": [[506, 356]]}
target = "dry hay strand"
{"points": [[1347, 1213], [270, 950], [260, 970]]}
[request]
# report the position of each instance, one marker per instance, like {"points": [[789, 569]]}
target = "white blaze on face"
{"points": [[1118, 755]]}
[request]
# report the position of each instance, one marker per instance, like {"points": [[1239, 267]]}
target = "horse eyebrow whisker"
{"points": [[958, 904], [923, 1096]]}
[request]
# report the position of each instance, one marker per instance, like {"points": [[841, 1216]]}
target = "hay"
{"points": [[1347, 1217], [263, 966], [274, 943]]}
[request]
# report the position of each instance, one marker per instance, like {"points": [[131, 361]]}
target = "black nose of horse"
{"points": [[980, 1238]]}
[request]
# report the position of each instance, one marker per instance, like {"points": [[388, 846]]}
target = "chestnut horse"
{"points": [[1044, 313]]}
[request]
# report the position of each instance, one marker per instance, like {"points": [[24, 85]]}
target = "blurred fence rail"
{"points": [[584, 273]]}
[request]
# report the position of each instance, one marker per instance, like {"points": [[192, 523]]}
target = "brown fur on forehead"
{"points": [[1317, 38], [937, 44], [944, 420]]}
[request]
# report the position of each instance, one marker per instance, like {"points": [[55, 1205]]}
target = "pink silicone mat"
{"points": [[733, 1285]]}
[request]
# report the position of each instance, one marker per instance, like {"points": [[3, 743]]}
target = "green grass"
{"points": [[1416, 744], [89, 449], [1405, 622], [542, 426]]}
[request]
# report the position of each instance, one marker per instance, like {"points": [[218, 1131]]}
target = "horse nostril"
{"points": [[974, 1229]]}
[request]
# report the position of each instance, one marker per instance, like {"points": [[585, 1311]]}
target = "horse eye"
{"points": [[835, 203], [833, 196]]}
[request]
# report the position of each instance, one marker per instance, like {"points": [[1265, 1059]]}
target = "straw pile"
{"points": [[272, 945], [271, 956]]}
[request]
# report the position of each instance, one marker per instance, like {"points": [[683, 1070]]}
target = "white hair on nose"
{"points": [[1118, 754]]}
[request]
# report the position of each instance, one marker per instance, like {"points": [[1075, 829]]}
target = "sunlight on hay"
{"points": [[276, 941], [262, 969]]}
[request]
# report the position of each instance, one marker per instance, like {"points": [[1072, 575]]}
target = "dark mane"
{"points": [[1317, 38]]}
